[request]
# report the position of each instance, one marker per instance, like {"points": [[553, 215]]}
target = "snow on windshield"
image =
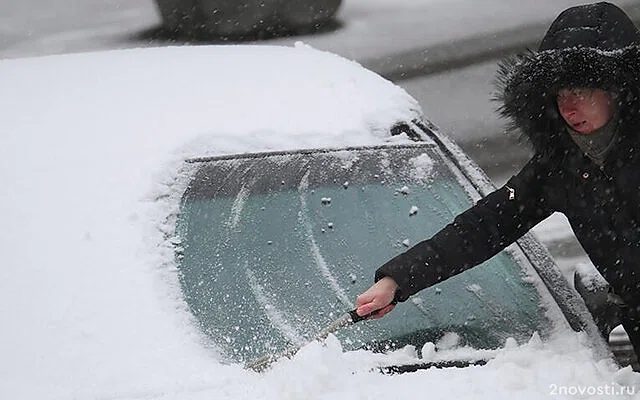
{"points": [[422, 167], [559, 369]]}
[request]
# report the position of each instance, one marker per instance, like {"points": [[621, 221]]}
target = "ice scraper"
{"points": [[346, 319]]}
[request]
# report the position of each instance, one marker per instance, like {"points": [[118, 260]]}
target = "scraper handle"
{"points": [[357, 318]]}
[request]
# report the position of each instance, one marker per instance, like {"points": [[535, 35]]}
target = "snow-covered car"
{"points": [[171, 213]]}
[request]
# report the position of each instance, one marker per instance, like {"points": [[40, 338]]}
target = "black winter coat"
{"points": [[594, 46]]}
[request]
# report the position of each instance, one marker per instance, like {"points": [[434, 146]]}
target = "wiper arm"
{"points": [[400, 369]]}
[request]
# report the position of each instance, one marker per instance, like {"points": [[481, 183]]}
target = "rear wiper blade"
{"points": [[400, 369]]}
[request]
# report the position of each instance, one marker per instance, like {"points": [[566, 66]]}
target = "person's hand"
{"points": [[377, 297]]}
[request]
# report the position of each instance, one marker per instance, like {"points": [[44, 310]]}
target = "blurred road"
{"points": [[40, 27], [377, 33]]}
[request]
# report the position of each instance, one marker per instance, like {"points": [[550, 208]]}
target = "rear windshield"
{"points": [[273, 248]]}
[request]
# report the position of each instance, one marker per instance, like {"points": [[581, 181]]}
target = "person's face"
{"points": [[585, 110]]}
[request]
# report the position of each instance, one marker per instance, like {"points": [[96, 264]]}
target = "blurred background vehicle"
{"points": [[235, 19]]}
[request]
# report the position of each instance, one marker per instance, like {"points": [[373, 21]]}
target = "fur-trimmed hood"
{"points": [[595, 46]]}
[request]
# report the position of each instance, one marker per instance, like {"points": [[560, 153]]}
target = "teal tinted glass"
{"points": [[273, 248]]}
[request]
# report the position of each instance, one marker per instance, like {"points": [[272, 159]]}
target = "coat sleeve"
{"points": [[475, 235]]}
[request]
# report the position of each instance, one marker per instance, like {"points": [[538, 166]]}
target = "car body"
{"points": [[103, 154]]}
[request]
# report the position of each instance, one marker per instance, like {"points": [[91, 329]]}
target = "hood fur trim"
{"points": [[527, 85]]}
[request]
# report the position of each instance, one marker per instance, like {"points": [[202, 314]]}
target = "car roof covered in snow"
{"points": [[227, 98]]}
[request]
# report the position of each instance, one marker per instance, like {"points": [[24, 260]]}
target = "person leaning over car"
{"points": [[577, 99]]}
